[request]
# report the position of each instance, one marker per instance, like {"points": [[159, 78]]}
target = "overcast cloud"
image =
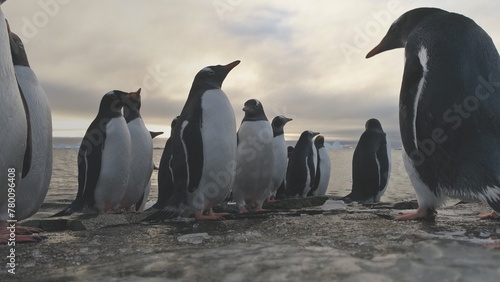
{"points": [[303, 59]]}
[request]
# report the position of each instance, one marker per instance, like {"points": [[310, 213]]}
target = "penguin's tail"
{"points": [[347, 199], [167, 212], [71, 209]]}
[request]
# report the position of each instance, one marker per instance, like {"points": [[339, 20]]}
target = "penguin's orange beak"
{"points": [[232, 65], [245, 109]]}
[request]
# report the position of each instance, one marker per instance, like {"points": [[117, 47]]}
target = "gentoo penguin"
{"points": [[448, 111], [35, 182], [280, 154], [13, 129], [103, 159], [323, 167], [254, 158], [371, 165], [300, 172], [165, 178], [203, 148], [141, 152]]}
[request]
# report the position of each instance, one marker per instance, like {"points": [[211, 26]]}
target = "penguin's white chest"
{"points": [[280, 161], [218, 133], [35, 184], [141, 165], [255, 161], [115, 165]]}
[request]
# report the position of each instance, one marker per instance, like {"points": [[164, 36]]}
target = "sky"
{"points": [[302, 59]]}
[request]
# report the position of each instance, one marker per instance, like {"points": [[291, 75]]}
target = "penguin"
{"points": [[165, 178], [254, 158], [323, 168], [38, 171], [371, 165], [280, 154], [448, 112], [104, 159], [203, 148], [13, 129], [141, 165], [300, 172]]}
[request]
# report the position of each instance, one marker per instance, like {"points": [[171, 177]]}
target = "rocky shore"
{"points": [[317, 239]]}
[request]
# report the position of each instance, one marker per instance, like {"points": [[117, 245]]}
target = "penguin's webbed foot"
{"points": [[242, 209], [210, 216], [489, 215], [421, 213], [23, 230]]}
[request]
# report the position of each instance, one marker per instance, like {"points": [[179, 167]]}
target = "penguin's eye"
{"points": [[209, 71]]}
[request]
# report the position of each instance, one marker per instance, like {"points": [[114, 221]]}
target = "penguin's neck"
{"points": [[278, 132], [131, 113], [256, 117]]}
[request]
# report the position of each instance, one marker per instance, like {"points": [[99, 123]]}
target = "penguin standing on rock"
{"points": [[103, 159], [203, 148], [449, 112], [38, 171], [371, 165], [141, 165], [13, 129], [254, 158], [323, 168], [301, 168], [280, 154]]}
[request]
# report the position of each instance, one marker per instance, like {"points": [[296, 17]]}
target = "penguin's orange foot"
{"points": [[200, 216], [24, 230], [489, 215], [258, 208], [419, 214]]}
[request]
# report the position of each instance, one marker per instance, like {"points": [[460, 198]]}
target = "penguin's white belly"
{"points": [[218, 133], [141, 165], [255, 161], [115, 165], [280, 162], [324, 168], [34, 186], [12, 120]]}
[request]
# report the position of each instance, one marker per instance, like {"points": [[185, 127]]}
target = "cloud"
{"points": [[293, 55]]}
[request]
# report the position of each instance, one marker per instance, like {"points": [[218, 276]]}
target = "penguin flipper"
{"points": [[89, 165], [165, 181], [383, 164]]}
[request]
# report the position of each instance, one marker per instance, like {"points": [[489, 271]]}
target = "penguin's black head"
{"points": [[17, 50], [254, 110], [132, 100], [215, 75], [319, 142], [173, 124], [278, 124], [308, 134], [400, 30], [289, 150], [373, 123], [112, 103]]}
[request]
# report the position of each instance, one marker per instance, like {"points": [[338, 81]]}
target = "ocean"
{"points": [[64, 182]]}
